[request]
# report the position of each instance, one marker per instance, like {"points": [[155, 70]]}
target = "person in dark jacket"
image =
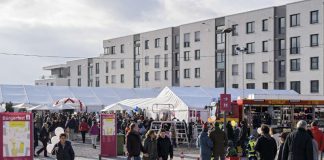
{"points": [[63, 149], [164, 146], [133, 143], [219, 139], [266, 145], [298, 145], [243, 137], [283, 137], [44, 137], [150, 146], [35, 138], [205, 144], [230, 131]]}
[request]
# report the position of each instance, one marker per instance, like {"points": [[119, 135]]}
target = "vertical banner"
{"points": [[16, 136], [108, 135]]}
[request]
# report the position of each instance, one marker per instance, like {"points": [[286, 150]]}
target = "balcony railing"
{"points": [[157, 65], [186, 44], [249, 75], [294, 50]]}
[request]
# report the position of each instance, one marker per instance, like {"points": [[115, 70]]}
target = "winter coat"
{"points": [[298, 146], [66, 153], [133, 144], [71, 124], [206, 146], [319, 137], [94, 130], [280, 151], [164, 147], [44, 135], [243, 134], [267, 147], [35, 137], [83, 127], [219, 141], [230, 132], [150, 147]]}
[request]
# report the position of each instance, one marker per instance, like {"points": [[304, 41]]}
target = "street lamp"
{"points": [[225, 31]]}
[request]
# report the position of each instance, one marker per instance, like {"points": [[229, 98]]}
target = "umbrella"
{"points": [[23, 106], [117, 107], [43, 107], [64, 107]]}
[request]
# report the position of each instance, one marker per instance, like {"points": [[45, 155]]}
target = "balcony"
{"points": [[282, 30], [294, 50], [186, 44], [249, 75]]}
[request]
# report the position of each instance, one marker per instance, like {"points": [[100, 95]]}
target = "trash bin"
{"points": [[120, 144]]}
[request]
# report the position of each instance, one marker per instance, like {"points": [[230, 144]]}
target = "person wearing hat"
{"points": [[205, 144], [219, 139]]}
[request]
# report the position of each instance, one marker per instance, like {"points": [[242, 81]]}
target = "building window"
{"points": [[166, 60], [220, 59], [282, 47], [79, 70], [234, 31], [197, 54], [166, 46], [264, 46], [235, 86], [113, 50], [147, 60], [122, 48], [157, 42], [122, 64], [107, 79], [314, 40], [157, 61], [295, 64], [97, 68], [294, 45], [177, 42], [282, 68], [146, 44], [97, 82], [314, 17], [264, 67], [113, 79], [166, 76], [177, 76], [177, 59], [137, 82], [113, 64], [137, 65], [314, 63], [250, 86], [122, 78], [186, 40], [107, 50], [314, 86], [250, 48], [295, 20], [197, 36], [234, 69], [186, 56], [281, 85], [249, 27], [265, 25], [264, 85], [157, 75], [295, 85], [282, 25], [186, 73], [79, 82], [250, 71], [234, 50], [147, 76], [220, 79], [137, 48], [220, 41], [107, 67], [197, 72]]}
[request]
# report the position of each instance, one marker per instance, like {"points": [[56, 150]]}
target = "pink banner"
{"points": [[17, 136], [108, 135]]}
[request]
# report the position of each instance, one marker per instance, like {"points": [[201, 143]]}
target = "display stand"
{"points": [[108, 136]]}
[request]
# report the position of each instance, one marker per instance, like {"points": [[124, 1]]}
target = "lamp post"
{"points": [[225, 31]]}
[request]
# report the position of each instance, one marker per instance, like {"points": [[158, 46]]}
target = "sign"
{"points": [[16, 139], [225, 102], [108, 135]]}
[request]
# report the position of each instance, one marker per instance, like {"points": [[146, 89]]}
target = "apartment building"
{"points": [[272, 48]]}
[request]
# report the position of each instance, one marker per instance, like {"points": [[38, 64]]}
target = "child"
{"points": [[250, 148]]}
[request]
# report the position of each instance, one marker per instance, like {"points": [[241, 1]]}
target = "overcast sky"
{"points": [[77, 27]]}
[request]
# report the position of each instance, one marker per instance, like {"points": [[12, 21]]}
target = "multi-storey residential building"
{"points": [[272, 48]]}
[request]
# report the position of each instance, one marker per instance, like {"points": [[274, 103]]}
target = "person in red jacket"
{"points": [[318, 136], [83, 128]]}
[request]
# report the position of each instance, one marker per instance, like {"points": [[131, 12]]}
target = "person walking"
{"points": [[150, 146], [283, 137], [315, 145], [243, 137], [63, 149], [83, 128], [219, 142], [133, 143], [44, 138], [94, 132], [35, 138], [205, 144], [266, 145], [164, 146], [298, 145], [70, 126], [319, 137]]}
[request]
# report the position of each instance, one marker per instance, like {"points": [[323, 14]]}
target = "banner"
{"points": [[17, 136], [108, 135]]}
